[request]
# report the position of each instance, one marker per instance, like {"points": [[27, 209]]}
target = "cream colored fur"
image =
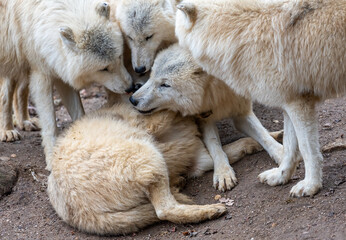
{"points": [[178, 84], [116, 171], [289, 54], [68, 43]]}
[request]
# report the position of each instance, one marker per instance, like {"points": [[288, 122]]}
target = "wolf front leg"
{"points": [[71, 99], [251, 126], [41, 88], [20, 103], [7, 131], [224, 175]]}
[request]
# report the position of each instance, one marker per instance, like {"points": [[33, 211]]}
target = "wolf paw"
{"points": [[224, 179], [29, 125], [305, 188], [216, 210], [9, 135], [273, 177]]}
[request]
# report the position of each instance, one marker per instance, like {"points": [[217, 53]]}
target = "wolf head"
{"points": [[92, 49], [148, 26], [176, 83]]}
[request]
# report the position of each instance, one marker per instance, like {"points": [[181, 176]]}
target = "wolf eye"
{"points": [[165, 85], [104, 70], [147, 38], [130, 38]]}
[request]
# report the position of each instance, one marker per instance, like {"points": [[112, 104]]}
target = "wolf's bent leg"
{"points": [[251, 126]]}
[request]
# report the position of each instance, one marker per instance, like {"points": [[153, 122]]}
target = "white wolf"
{"points": [[148, 26], [178, 84], [68, 43], [120, 176], [289, 54]]}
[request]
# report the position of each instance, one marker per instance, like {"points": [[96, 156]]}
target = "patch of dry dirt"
{"points": [[259, 211]]}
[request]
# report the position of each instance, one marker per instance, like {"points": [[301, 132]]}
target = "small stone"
{"points": [[57, 102], [217, 197], [228, 217], [274, 224], [275, 121], [327, 126], [4, 159], [13, 155]]}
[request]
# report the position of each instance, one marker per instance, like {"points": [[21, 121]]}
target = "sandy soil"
{"points": [[258, 212]]}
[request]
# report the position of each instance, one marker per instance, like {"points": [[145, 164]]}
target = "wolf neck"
{"points": [[214, 95]]}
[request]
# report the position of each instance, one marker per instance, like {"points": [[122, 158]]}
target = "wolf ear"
{"points": [[103, 9], [189, 10], [167, 6], [67, 37]]}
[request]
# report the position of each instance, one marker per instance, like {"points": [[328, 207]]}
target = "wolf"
{"points": [[68, 44], [288, 54], [148, 26], [124, 174], [178, 84]]}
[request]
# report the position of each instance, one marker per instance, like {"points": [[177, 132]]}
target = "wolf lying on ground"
{"points": [[114, 171], [178, 84], [288, 54], [68, 43]]}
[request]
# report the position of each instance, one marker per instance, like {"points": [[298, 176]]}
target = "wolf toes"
{"points": [[10, 135], [224, 180], [273, 177], [305, 188], [30, 125], [216, 210]]}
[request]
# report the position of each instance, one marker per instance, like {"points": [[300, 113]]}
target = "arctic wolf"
{"points": [[18, 99], [289, 54], [119, 177], [68, 43], [178, 84], [148, 26]]}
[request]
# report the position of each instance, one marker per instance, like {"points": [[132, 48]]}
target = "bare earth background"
{"points": [[258, 212]]}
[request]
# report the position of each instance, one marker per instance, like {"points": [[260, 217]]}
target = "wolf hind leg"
{"points": [[168, 208], [20, 103], [7, 131], [251, 126]]}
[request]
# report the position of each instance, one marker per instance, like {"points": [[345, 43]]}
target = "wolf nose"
{"points": [[133, 101], [137, 86], [140, 69], [130, 89]]}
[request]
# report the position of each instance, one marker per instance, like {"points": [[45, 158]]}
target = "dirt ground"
{"points": [[258, 212]]}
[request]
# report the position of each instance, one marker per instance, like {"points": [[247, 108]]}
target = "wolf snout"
{"points": [[133, 101], [130, 89], [140, 69]]}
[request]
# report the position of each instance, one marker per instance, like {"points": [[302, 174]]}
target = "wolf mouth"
{"points": [[147, 112]]}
